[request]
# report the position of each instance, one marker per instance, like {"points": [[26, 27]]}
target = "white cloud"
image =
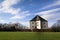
{"points": [[55, 3], [6, 6], [50, 14], [48, 11], [2, 21], [16, 17], [10, 10], [9, 3], [21, 16], [26, 23]]}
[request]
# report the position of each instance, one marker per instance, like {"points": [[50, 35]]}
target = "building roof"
{"points": [[37, 17]]}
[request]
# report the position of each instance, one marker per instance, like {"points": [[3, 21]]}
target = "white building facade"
{"points": [[38, 23]]}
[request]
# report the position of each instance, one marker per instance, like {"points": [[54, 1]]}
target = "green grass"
{"points": [[29, 35]]}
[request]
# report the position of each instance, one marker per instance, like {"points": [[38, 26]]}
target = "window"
{"points": [[43, 22], [35, 27], [36, 23], [44, 26], [32, 27]]}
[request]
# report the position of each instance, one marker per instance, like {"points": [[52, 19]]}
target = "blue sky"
{"points": [[24, 10]]}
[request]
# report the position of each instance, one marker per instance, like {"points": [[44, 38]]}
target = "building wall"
{"points": [[35, 24], [44, 25], [38, 24], [32, 25]]}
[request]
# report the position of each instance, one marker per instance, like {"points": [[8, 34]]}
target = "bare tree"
{"points": [[56, 26]]}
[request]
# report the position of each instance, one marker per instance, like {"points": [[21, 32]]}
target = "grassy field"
{"points": [[29, 35]]}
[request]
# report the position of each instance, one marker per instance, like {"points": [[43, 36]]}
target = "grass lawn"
{"points": [[29, 35]]}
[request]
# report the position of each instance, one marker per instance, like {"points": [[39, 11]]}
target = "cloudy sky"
{"points": [[24, 10]]}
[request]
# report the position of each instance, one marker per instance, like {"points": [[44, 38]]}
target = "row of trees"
{"points": [[12, 27], [56, 26]]}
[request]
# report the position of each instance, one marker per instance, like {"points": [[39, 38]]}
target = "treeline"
{"points": [[12, 27], [52, 29], [56, 26]]}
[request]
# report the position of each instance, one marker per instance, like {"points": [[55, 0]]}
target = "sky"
{"points": [[23, 11]]}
